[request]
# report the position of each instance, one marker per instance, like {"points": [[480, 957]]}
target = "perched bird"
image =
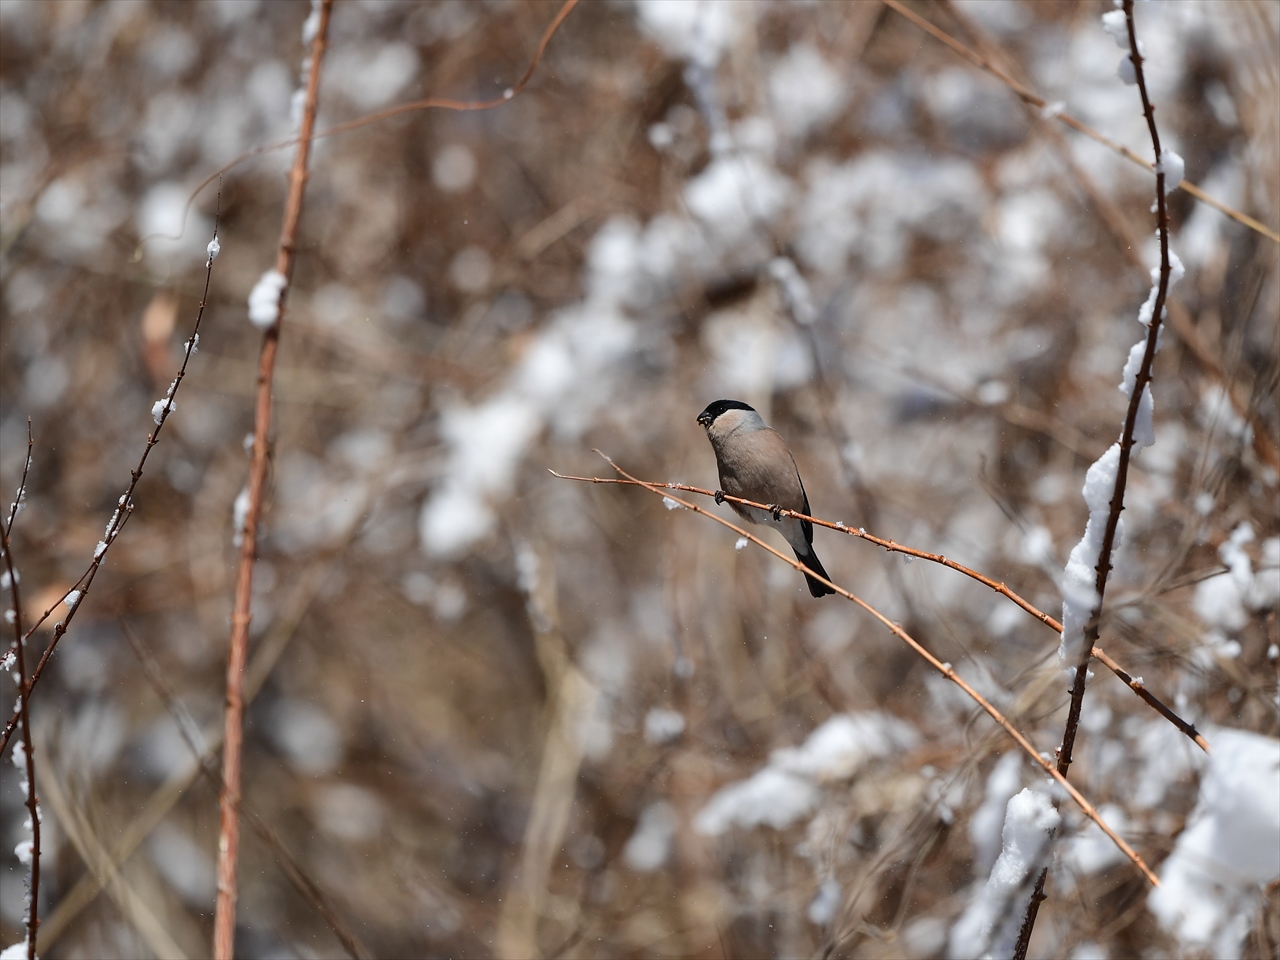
{"points": [[756, 464]]}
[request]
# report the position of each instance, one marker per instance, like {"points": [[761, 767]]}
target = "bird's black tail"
{"points": [[816, 587]]}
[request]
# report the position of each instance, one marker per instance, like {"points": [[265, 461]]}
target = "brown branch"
{"points": [[124, 506], [1137, 686], [237, 656], [945, 669], [24, 711], [1103, 568], [1140, 386], [430, 103], [1031, 97], [999, 587]]}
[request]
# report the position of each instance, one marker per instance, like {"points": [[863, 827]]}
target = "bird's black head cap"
{"points": [[717, 407]]}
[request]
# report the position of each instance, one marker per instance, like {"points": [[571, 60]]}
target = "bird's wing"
{"points": [[805, 525]]}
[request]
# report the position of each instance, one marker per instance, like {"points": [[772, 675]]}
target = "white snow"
{"points": [[789, 786], [1211, 885], [697, 30], [454, 168], [988, 925], [369, 77], [805, 90], [158, 409], [264, 299], [1144, 433], [1113, 21], [307, 736], [1079, 578], [987, 822], [662, 725], [1173, 167], [1222, 601], [734, 194], [650, 845]]}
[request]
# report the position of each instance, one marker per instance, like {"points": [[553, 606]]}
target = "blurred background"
{"points": [[498, 714]]}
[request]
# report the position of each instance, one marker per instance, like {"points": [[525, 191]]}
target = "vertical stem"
{"points": [[24, 694], [229, 832], [1131, 415]]}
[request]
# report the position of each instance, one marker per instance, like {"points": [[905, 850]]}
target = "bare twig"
{"points": [[1140, 385], [229, 802], [1136, 685], [124, 506], [1103, 569], [945, 669], [24, 711], [430, 103]]}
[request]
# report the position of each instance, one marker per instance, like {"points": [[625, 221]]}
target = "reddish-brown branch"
{"points": [[999, 587], [664, 490], [237, 655]]}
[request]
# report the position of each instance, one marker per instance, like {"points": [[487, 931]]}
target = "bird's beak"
{"points": [[703, 419]]}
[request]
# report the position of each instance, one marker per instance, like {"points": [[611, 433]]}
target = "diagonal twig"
{"points": [[1134, 684], [1140, 386], [943, 668], [124, 506]]}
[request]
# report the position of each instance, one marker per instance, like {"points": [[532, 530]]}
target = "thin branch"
{"points": [[945, 669], [1029, 919], [24, 710], [1039, 102], [1104, 566], [430, 103], [124, 506], [237, 656], [1140, 386], [1136, 685]]}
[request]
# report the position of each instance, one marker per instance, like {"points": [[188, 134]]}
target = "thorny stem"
{"points": [[24, 712], [237, 656]]}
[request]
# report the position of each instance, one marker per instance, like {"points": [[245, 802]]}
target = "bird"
{"points": [[756, 464]]}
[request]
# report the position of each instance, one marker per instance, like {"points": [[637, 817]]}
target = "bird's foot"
{"points": [[776, 511], [719, 497]]}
